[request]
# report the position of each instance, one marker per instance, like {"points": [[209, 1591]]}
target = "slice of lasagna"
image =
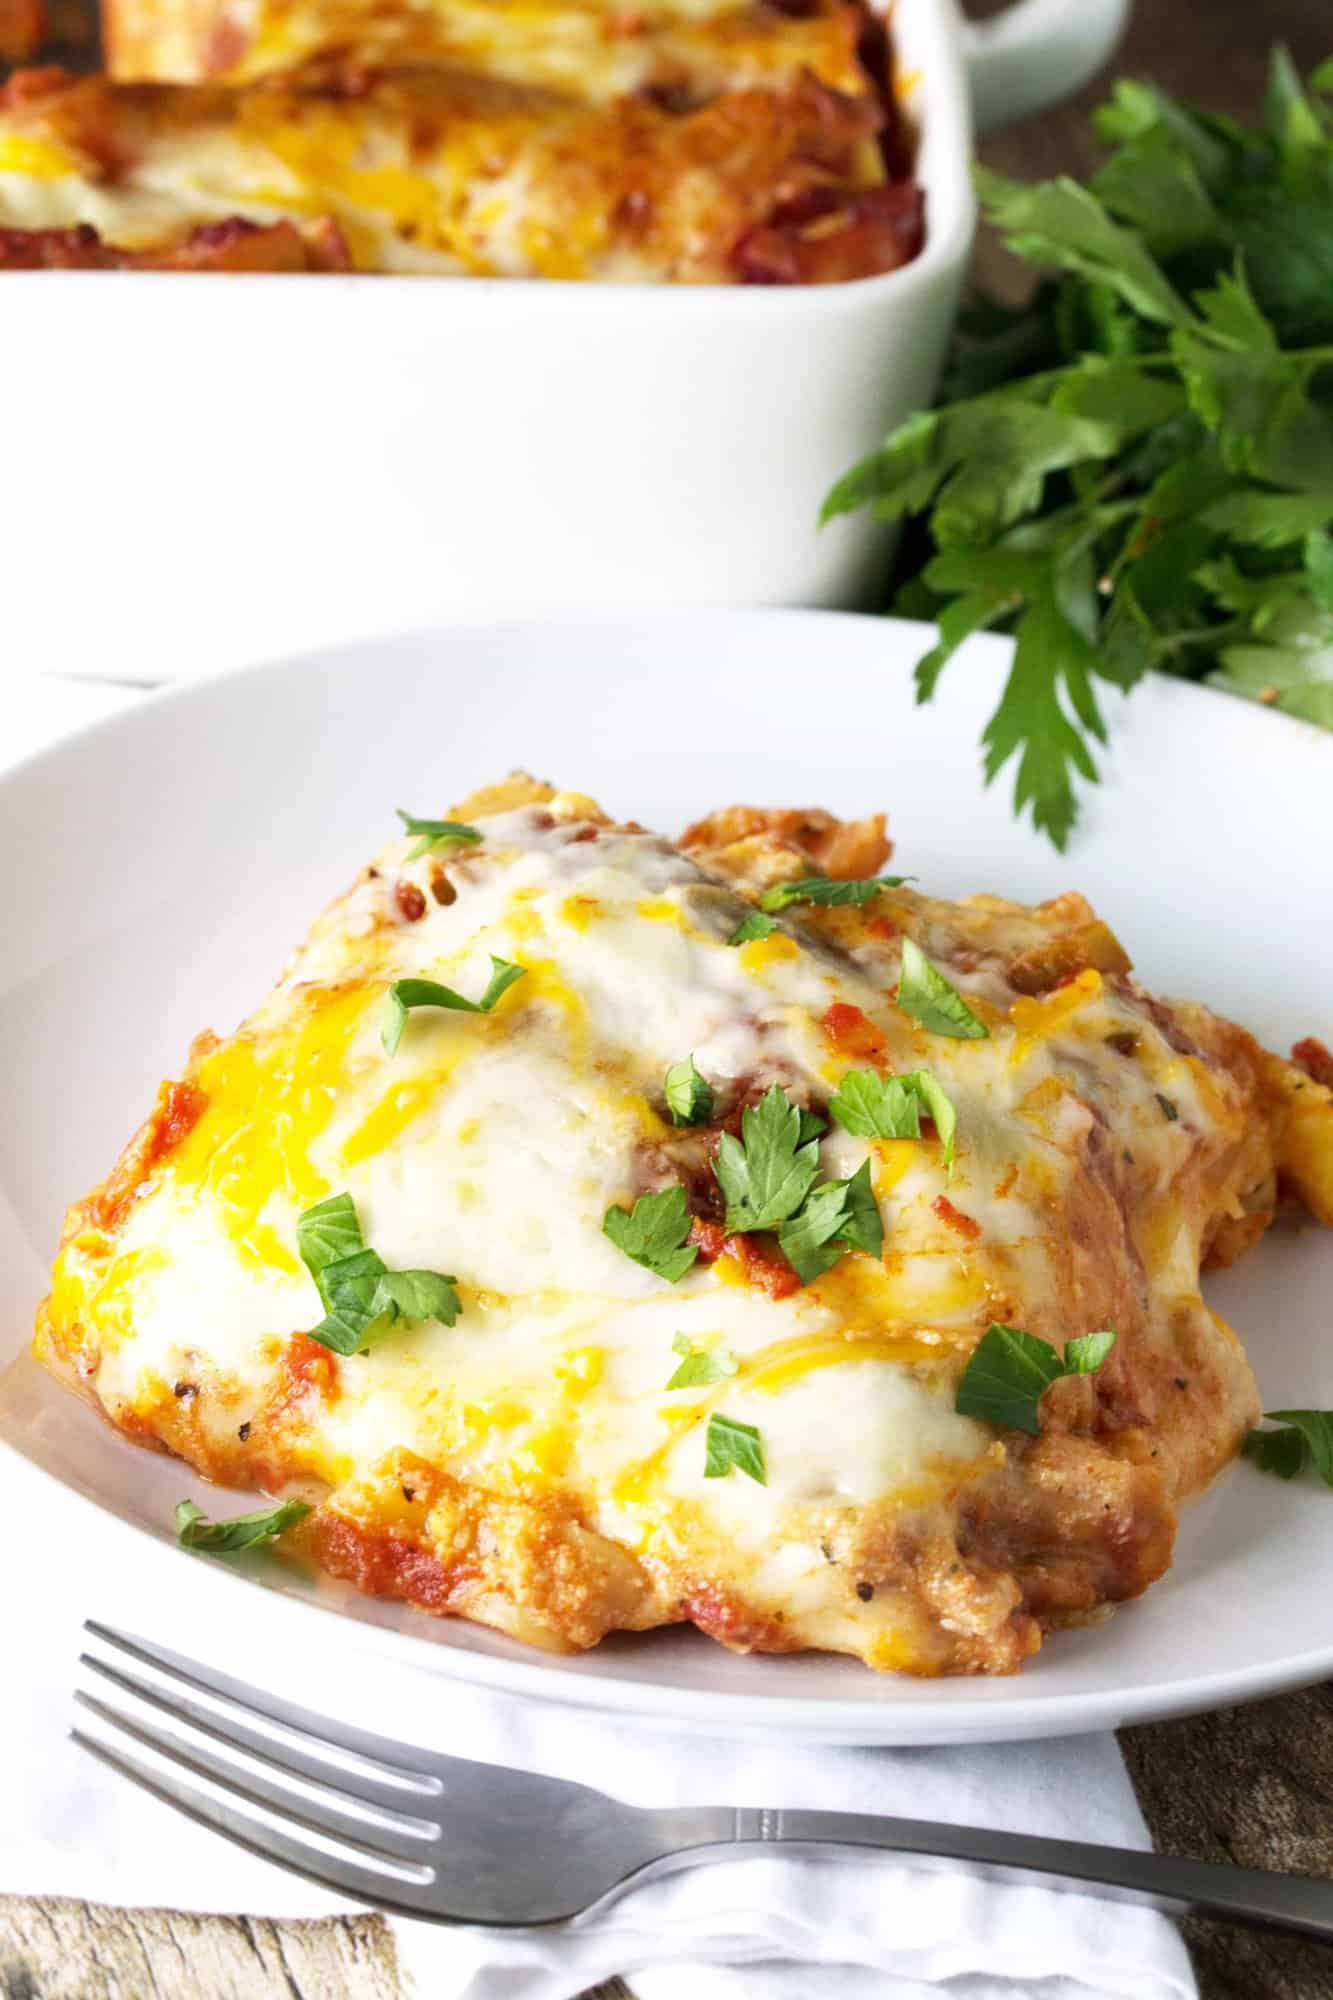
{"points": [[600, 1233], [428, 171]]}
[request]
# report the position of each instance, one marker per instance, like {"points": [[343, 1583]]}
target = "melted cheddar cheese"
{"points": [[528, 1466]]}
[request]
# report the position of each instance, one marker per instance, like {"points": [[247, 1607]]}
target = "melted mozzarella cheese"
{"points": [[491, 1147]]}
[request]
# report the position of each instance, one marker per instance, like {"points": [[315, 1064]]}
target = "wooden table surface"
{"points": [[1253, 1785]]}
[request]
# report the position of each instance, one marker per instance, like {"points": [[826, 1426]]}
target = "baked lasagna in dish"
{"points": [[747, 144], [592, 1233], [427, 172]]}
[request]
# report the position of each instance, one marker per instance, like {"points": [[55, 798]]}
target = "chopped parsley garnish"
{"points": [[362, 1298], [768, 1177], [728, 1442], [243, 1531], [756, 925], [654, 1232], [1009, 1370], [1306, 1437], [889, 1107], [826, 893], [926, 995], [405, 994], [766, 1174], [437, 833], [700, 1366], [838, 1216], [689, 1099]]}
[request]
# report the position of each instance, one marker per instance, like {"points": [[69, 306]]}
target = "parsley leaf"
{"points": [[1264, 520], [420, 1295], [812, 1240], [351, 1288], [1085, 1354], [366, 1300], [1005, 1376], [1290, 664], [1058, 222], [700, 1366], [863, 1228], [1118, 459], [766, 1174], [1307, 1437], [728, 1442], [362, 1298], [825, 892], [689, 1100], [927, 996], [1050, 673], [437, 833], [1319, 566], [939, 1105], [889, 1107], [327, 1233], [756, 925], [243, 1531], [838, 1216], [654, 1232], [1008, 1371], [1280, 1452], [405, 994], [876, 1107]]}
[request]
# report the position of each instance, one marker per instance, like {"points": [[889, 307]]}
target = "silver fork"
{"points": [[459, 1842]]}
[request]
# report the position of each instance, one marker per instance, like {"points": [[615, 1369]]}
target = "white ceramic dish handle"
{"points": [[1037, 52]]}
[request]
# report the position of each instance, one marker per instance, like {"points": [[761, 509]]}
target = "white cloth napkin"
{"points": [[780, 1928]]}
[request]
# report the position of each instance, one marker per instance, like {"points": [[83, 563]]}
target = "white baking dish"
{"points": [[198, 471]]}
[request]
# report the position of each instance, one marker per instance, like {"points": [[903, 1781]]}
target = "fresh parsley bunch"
{"points": [[1135, 470]]}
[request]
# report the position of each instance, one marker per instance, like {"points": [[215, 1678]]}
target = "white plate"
{"points": [[168, 857]]}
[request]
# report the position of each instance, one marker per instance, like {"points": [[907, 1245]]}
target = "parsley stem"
{"points": [[1204, 635]]}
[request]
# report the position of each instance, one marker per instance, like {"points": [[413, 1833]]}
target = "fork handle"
{"points": [[1167, 1882]]}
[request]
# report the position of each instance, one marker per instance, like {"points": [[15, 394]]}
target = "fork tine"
{"points": [[246, 1754], [364, 1842], [370, 1769], [396, 1886]]}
